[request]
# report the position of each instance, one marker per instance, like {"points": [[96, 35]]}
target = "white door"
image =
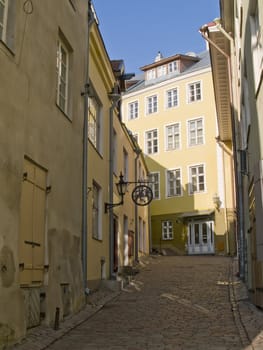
{"points": [[201, 237]]}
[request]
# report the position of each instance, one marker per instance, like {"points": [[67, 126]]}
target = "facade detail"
{"points": [[63, 147], [237, 63], [187, 165]]}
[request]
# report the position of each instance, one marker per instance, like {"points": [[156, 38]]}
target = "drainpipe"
{"points": [[136, 255], [238, 182], [84, 233], [115, 98]]}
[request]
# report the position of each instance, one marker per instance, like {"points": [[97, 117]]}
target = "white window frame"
{"points": [[62, 78], [96, 211], [152, 140], [173, 67], [154, 183], [177, 189], [161, 71], [151, 74], [125, 165], [193, 95], [256, 44], [3, 20], [167, 230], [152, 104], [193, 135], [197, 176], [94, 122], [172, 98], [133, 110], [174, 136]]}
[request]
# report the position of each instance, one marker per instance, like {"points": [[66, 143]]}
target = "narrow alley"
{"points": [[174, 302]]}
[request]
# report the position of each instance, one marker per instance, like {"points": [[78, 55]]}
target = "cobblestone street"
{"points": [[173, 303]]}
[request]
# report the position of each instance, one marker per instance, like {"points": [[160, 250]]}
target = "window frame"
{"points": [[195, 130], [95, 138], [197, 97], [174, 99], [167, 229], [133, 110], [151, 104], [256, 44], [152, 142], [177, 188], [61, 45], [174, 144], [197, 176], [154, 185], [96, 211], [3, 21]]}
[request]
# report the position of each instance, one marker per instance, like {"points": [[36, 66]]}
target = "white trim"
{"points": [[166, 140], [166, 183], [159, 180], [146, 104], [201, 91], [145, 141], [165, 98], [191, 193], [187, 131]]}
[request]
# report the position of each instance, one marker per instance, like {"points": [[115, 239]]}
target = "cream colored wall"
{"points": [[186, 155], [32, 125], [218, 168]]}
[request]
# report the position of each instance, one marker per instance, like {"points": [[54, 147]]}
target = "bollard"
{"points": [[56, 324]]}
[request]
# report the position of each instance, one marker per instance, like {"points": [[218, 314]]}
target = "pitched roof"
{"points": [[202, 61]]}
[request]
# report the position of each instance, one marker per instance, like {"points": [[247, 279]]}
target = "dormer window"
{"points": [[151, 74], [173, 67], [161, 70]]}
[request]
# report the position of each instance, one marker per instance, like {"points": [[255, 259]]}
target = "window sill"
{"points": [[64, 113]]}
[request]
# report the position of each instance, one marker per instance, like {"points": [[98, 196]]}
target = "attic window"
{"points": [[151, 74], [172, 67]]}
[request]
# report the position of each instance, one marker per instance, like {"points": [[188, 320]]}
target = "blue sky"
{"points": [[135, 30]]}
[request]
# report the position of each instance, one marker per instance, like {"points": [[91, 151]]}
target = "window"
{"points": [[172, 98], [125, 165], [115, 152], [173, 181], [154, 184], [172, 137], [133, 110], [152, 104], [195, 132], [151, 74], [256, 44], [94, 122], [172, 67], [62, 76], [197, 178], [161, 70], [194, 92], [167, 230], [96, 212], [3, 19], [151, 141]]}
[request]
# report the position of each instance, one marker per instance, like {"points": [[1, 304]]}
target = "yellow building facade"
{"points": [[117, 235], [171, 112]]}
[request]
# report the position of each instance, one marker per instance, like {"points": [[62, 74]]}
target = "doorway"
{"points": [[201, 237]]}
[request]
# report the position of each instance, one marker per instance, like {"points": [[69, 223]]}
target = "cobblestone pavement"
{"points": [[174, 303]]}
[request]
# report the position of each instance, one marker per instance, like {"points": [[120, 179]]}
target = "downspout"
{"points": [[136, 255], [238, 184], [84, 233], [115, 98]]}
